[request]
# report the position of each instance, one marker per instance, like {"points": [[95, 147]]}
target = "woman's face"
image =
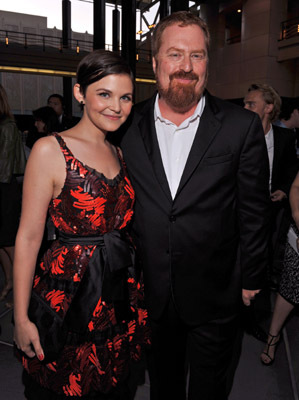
{"points": [[108, 102], [40, 126]]}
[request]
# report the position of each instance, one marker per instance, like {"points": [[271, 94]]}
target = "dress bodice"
{"points": [[89, 203]]}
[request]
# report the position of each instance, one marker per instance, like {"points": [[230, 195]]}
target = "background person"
{"points": [[200, 171], [283, 164], [289, 116], [56, 101], [45, 122], [288, 293], [12, 163], [85, 323]]}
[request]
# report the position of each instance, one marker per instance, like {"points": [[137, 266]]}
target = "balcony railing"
{"points": [[52, 43], [32, 40], [289, 29]]}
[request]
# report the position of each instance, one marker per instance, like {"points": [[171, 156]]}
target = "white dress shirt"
{"points": [[175, 142], [270, 148]]}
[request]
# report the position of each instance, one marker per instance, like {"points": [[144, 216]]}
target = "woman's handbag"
{"points": [[51, 327]]}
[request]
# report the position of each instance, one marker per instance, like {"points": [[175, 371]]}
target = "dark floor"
{"points": [[253, 381]]}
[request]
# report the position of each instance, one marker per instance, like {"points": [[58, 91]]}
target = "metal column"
{"points": [[99, 24], [164, 8], [179, 5], [115, 29], [66, 23], [66, 37], [129, 32]]}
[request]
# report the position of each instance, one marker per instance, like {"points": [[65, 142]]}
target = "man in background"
{"points": [[56, 101], [283, 164]]}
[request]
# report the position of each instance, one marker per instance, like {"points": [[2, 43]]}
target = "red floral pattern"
{"points": [[89, 204]]}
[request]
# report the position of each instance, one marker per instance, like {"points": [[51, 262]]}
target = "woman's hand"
{"points": [[27, 340]]}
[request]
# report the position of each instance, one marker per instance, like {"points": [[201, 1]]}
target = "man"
{"points": [[289, 116], [56, 101], [199, 168], [283, 163]]}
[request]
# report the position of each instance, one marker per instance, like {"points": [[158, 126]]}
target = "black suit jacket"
{"points": [[189, 244], [285, 162]]}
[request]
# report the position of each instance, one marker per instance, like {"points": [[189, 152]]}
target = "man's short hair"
{"points": [[58, 96], [270, 96], [182, 19]]}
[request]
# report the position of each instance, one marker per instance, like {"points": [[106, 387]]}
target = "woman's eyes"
{"points": [[104, 94], [126, 98]]}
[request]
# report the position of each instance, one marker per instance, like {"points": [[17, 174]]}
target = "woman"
{"points": [[85, 297], [45, 121], [12, 163], [288, 293]]}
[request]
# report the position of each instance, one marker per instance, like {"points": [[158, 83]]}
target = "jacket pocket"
{"points": [[218, 159]]}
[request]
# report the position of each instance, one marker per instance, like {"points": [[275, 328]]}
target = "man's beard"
{"points": [[180, 96]]}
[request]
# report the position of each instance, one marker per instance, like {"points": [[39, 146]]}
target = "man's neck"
{"points": [[266, 126], [172, 115]]}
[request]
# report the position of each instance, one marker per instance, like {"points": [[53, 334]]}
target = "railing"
{"points": [[46, 42], [289, 29], [33, 40]]}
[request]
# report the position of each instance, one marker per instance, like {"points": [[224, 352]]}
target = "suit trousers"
{"points": [[204, 353]]}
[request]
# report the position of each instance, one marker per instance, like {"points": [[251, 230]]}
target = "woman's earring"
{"points": [[81, 102]]}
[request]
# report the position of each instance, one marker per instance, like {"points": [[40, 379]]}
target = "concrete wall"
{"points": [[233, 67]]}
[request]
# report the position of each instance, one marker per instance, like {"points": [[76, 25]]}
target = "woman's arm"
{"points": [[294, 200], [39, 184]]}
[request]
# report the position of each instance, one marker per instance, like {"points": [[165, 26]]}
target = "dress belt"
{"points": [[108, 265]]}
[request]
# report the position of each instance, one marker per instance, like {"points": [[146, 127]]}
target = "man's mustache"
{"points": [[184, 75]]}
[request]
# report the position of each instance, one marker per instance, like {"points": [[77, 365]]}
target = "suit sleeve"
{"points": [[253, 207], [290, 163]]}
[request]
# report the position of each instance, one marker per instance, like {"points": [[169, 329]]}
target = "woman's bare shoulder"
{"points": [[45, 148]]}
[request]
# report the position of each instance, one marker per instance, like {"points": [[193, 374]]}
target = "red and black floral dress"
{"points": [[103, 303]]}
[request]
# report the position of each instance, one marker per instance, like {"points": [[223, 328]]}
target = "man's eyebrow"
{"points": [[203, 51]]}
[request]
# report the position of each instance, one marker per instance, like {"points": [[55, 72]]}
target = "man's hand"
{"points": [[248, 295], [278, 195]]}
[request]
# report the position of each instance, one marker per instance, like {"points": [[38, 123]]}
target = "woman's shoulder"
{"points": [[46, 147]]}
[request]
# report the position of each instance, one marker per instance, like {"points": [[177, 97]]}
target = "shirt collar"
{"points": [[269, 137], [197, 113]]}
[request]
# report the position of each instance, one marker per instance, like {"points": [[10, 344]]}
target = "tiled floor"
{"points": [[253, 381]]}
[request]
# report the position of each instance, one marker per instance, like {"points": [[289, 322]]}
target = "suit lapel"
{"points": [[207, 129], [148, 133], [277, 151]]}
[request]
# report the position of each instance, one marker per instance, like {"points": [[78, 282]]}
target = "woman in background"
{"points": [[288, 293], [12, 163], [85, 321], [45, 121]]}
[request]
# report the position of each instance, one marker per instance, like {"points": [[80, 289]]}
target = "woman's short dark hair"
{"points": [[98, 64], [48, 116]]}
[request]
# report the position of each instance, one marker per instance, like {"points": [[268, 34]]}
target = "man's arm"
{"points": [[288, 166], [294, 200], [253, 207]]}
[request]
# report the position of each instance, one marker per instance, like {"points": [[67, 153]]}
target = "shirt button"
{"points": [[172, 218]]}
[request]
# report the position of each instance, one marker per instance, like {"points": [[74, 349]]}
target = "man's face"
{"points": [[181, 66], [56, 104], [254, 102]]}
